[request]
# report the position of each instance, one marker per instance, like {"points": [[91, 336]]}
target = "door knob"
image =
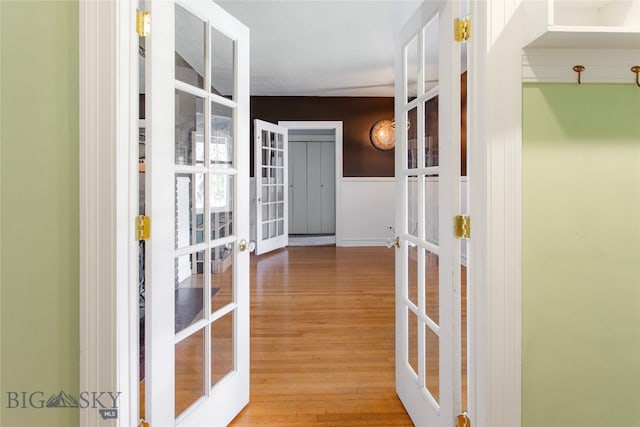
{"points": [[243, 245], [393, 243]]}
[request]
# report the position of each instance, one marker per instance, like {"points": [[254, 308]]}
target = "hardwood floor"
{"points": [[322, 339]]}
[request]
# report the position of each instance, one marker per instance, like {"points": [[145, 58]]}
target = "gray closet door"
{"points": [[312, 189], [298, 188], [328, 187]]}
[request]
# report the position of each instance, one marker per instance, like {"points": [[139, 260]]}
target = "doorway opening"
{"points": [[315, 169], [312, 192]]}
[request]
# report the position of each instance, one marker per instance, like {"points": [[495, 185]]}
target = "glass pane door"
{"points": [[271, 170], [428, 183], [197, 342]]}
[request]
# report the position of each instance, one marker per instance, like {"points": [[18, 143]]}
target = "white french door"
{"points": [[197, 189], [428, 262], [271, 170]]}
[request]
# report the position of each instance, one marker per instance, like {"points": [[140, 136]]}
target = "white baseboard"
{"points": [[353, 242]]}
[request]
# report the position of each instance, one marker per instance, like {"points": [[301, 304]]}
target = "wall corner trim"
{"points": [[108, 123]]}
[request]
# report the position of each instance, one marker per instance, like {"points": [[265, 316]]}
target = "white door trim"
{"points": [[494, 173], [337, 127], [108, 111]]}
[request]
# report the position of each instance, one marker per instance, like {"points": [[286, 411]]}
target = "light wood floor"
{"points": [[322, 339]]}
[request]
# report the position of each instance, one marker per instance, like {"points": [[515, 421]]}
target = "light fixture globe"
{"points": [[383, 135]]}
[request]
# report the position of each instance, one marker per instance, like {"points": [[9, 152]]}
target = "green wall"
{"points": [[39, 207], [581, 256]]}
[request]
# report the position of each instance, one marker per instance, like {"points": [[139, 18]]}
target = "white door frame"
{"points": [[108, 119], [108, 70], [337, 127], [494, 172]]}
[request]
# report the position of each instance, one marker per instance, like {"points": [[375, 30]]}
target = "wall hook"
{"points": [[636, 69], [579, 69]]}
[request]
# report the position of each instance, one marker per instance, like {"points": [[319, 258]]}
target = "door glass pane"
{"points": [[189, 290], [432, 286], [189, 145], [264, 140], [221, 202], [280, 193], [272, 195], [190, 48], [412, 276], [432, 363], [431, 155], [221, 276], [412, 205], [222, 347], [412, 142], [221, 148], [413, 341], [189, 209], [412, 69], [280, 175], [222, 53], [431, 208], [431, 52], [189, 385]]}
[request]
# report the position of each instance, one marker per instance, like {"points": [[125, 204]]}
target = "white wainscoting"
{"points": [[367, 209]]}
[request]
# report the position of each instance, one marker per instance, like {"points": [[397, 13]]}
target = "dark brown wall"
{"points": [[360, 159], [357, 114]]}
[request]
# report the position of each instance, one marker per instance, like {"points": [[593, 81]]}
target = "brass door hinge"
{"points": [[461, 29], [143, 23], [463, 226], [143, 227], [143, 423], [463, 420]]}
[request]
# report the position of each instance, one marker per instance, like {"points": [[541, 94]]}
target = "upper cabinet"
{"points": [[582, 24]]}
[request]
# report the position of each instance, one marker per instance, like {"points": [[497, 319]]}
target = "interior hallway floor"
{"points": [[322, 339]]}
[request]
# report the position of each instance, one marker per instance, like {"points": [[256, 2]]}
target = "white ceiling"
{"points": [[322, 48]]}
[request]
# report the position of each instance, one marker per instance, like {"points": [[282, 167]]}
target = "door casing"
{"points": [[108, 87], [337, 127]]}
